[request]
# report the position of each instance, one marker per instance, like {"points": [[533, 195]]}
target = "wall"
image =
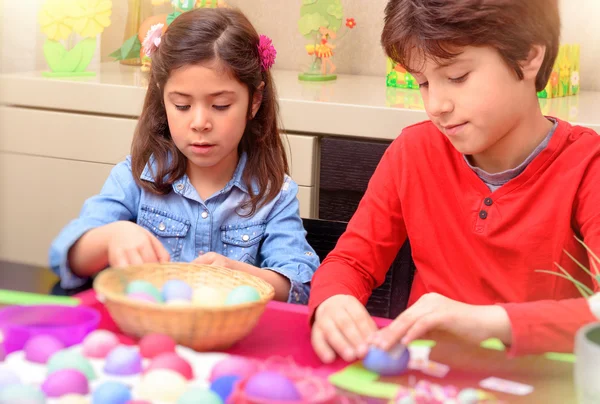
{"points": [[360, 52]]}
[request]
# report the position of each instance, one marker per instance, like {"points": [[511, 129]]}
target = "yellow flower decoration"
{"points": [[90, 17], [54, 21]]}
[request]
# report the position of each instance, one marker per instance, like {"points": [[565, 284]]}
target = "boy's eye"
{"points": [[424, 84], [182, 107], [459, 79], [221, 107]]}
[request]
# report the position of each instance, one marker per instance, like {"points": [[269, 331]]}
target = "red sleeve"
{"points": [[550, 326], [363, 254]]}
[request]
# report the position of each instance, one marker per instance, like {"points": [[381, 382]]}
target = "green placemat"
{"points": [[13, 298]]}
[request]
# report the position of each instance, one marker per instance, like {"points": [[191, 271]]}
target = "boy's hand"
{"points": [[212, 258], [342, 325], [131, 244], [434, 312]]}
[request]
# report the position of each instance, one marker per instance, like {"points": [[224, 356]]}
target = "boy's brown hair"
{"points": [[439, 28], [203, 36]]}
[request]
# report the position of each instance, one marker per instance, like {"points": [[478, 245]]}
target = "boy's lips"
{"points": [[453, 130]]}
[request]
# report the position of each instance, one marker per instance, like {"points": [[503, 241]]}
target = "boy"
{"points": [[488, 191]]}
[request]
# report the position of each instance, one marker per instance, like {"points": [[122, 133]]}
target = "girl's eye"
{"points": [[221, 107], [182, 107], [460, 79]]}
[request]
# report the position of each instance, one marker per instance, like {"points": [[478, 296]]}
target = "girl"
{"points": [[206, 180]]}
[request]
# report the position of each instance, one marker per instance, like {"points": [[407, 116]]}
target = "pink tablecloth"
{"points": [[282, 330]]}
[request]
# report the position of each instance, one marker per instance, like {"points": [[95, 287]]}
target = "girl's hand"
{"points": [[434, 312], [212, 258], [342, 326], [131, 244]]}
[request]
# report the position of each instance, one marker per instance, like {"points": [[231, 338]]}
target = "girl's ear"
{"points": [[257, 99]]}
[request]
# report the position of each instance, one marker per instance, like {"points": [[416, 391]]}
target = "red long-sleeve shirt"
{"points": [[477, 246]]}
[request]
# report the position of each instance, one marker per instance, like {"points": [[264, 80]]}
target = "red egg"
{"points": [[153, 345], [172, 361]]}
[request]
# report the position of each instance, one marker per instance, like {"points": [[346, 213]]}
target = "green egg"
{"points": [[242, 294], [71, 360], [199, 395], [20, 393], [144, 287]]}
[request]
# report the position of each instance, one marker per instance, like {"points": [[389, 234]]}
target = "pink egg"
{"points": [[142, 296], [172, 361], [233, 366], [99, 343], [66, 381], [153, 345], [40, 348]]}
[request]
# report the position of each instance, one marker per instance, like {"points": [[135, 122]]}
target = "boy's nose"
{"points": [[438, 103]]}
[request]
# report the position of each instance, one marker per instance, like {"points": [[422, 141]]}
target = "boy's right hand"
{"points": [[131, 244], [342, 325]]}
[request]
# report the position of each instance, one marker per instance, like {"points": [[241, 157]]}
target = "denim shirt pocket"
{"points": [[241, 242], [168, 228]]}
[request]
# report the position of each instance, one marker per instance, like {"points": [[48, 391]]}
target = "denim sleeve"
{"points": [[285, 249], [118, 200]]}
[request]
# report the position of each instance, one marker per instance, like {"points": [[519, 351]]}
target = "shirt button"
{"points": [[204, 215], [162, 227], [483, 214], [180, 187], [488, 201], [245, 237]]}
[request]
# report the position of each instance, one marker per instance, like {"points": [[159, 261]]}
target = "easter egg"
{"points": [[2, 351], [123, 361], [142, 296], [153, 345], [233, 366], [111, 392], [67, 359], [390, 363], [99, 343], [8, 377], [242, 294], [269, 385], [72, 399], [208, 297], [172, 361], [161, 385], [139, 286], [40, 348], [22, 394], [200, 395], [65, 381], [175, 289], [224, 385]]}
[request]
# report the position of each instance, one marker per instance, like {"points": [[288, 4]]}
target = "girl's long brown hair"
{"points": [[198, 37]]}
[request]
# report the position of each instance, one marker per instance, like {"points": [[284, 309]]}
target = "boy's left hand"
{"points": [[434, 312]]}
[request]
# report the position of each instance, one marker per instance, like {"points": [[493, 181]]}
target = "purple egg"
{"points": [[123, 361], [8, 378], [66, 381], [177, 289], [391, 363], [269, 385], [40, 348], [142, 296]]}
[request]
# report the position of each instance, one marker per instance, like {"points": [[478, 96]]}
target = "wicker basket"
{"points": [[201, 328]]}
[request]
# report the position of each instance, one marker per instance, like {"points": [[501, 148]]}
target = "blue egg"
{"points": [[242, 294], [111, 392], [176, 289], [390, 363], [223, 386]]}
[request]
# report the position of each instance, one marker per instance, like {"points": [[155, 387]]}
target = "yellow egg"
{"points": [[163, 385], [72, 399], [208, 296]]}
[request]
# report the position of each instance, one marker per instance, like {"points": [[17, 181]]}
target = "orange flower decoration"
{"points": [[350, 23]]}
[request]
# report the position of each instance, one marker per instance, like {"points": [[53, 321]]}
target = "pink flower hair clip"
{"points": [[267, 52], [152, 39]]}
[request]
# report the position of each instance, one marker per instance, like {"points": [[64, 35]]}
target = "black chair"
{"points": [[388, 300]]}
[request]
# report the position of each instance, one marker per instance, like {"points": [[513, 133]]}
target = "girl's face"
{"points": [[207, 112]]}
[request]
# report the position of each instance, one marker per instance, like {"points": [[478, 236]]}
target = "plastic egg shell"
{"points": [[161, 385], [234, 366], [68, 359], [65, 381], [99, 343], [153, 345], [22, 394], [172, 361], [111, 392], [139, 286], [40, 348], [176, 289], [271, 386], [242, 294], [123, 361], [199, 395], [390, 363]]}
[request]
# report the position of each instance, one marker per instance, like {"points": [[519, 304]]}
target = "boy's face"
{"points": [[476, 100]]}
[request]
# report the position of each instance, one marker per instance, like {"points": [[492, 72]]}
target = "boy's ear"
{"points": [[257, 98], [531, 66]]}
